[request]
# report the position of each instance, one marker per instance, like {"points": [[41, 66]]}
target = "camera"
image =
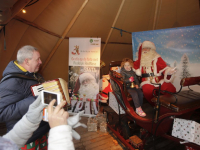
{"points": [[48, 96]]}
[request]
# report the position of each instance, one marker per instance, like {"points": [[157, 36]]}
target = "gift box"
{"points": [[103, 127], [136, 141], [92, 124], [100, 118], [187, 130]]}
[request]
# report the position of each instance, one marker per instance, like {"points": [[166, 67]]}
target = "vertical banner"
{"points": [[84, 72], [179, 47]]}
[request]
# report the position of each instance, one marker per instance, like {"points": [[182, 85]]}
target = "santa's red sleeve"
{"points": [[136, 67], [161, 65], [136, 64], [162, 68]]}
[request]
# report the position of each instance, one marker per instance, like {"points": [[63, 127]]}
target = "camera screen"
{"points": [[48, 97]]}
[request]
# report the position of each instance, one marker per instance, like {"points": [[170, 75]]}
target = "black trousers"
{"points": [[137, 96]]}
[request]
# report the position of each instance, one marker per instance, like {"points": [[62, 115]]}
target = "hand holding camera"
{"points": [[57, 116]]}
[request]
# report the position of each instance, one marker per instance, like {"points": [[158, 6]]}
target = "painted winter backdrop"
{"points": [[179, 47]]}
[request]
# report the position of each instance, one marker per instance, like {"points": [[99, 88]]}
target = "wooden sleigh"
{"points": [[159, 119]]}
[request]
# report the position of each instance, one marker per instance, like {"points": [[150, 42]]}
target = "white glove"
{"points": [[74, 123], [7, 144], [34, 114]]}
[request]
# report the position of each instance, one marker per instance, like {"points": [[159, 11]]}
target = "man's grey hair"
{"points": [[25, 52]]}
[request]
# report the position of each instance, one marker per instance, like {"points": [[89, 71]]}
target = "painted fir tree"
{"points": [[175, 63], [185, 64]]}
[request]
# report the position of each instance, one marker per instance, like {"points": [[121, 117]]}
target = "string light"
{"points": [[23, 11]]}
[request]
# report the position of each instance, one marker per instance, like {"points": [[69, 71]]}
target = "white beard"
{"points": [[89, 91], [147, 58]]}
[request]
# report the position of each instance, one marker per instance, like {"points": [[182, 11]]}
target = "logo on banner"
{"points": [[76, 50], [94, 42]]}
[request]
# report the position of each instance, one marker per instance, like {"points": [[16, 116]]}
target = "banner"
{"points": [[179, 47], [84, 72]]}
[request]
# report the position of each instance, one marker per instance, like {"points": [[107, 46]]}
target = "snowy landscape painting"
{"points": [[179, 47]]}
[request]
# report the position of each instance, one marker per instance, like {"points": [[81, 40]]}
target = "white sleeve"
{"points": [[21, 132], [60, 138]]}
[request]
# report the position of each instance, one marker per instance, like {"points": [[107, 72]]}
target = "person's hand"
{"points": [[34, 114], [131, 79], [136, 86], [57, 116]]}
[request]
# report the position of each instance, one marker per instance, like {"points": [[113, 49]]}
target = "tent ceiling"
{"points": [[48, 24]]}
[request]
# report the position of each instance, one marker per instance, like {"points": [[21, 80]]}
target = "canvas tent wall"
{"points": [[48, 24]]}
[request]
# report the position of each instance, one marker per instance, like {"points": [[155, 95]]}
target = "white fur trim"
{"points": [[148, 44], [103, 84], [161, 71], [161, 81], [106, 76], [85, 76], [103, 101], [167, 73], [138, 72]]}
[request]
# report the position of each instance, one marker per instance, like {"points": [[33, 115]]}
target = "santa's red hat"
{"points": [[81, 78]]}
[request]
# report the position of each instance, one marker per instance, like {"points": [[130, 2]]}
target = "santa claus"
{"points": [[104, 88], [87, 89], [153, 69], [86, 86]]}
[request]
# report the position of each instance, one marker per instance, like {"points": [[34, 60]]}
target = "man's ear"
{"points": [[26, 61]]}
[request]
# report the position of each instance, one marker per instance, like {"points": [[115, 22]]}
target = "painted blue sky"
{"points": [[172, 43]]}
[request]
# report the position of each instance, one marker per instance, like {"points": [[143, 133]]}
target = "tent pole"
{"points": [[36, 26], [63, 35], [116, 17], [155, 15]]}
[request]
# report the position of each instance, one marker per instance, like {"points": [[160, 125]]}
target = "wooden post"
{"points": [[116, 17]]}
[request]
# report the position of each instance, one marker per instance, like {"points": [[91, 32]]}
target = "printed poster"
{"points": [[84, 74], [179, 47]]}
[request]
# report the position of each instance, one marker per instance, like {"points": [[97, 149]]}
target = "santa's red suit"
{"points": [[104, 88], [155, 71], [88, 91]]}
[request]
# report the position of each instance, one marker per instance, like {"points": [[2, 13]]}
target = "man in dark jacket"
{"points": [[15, 92]]}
